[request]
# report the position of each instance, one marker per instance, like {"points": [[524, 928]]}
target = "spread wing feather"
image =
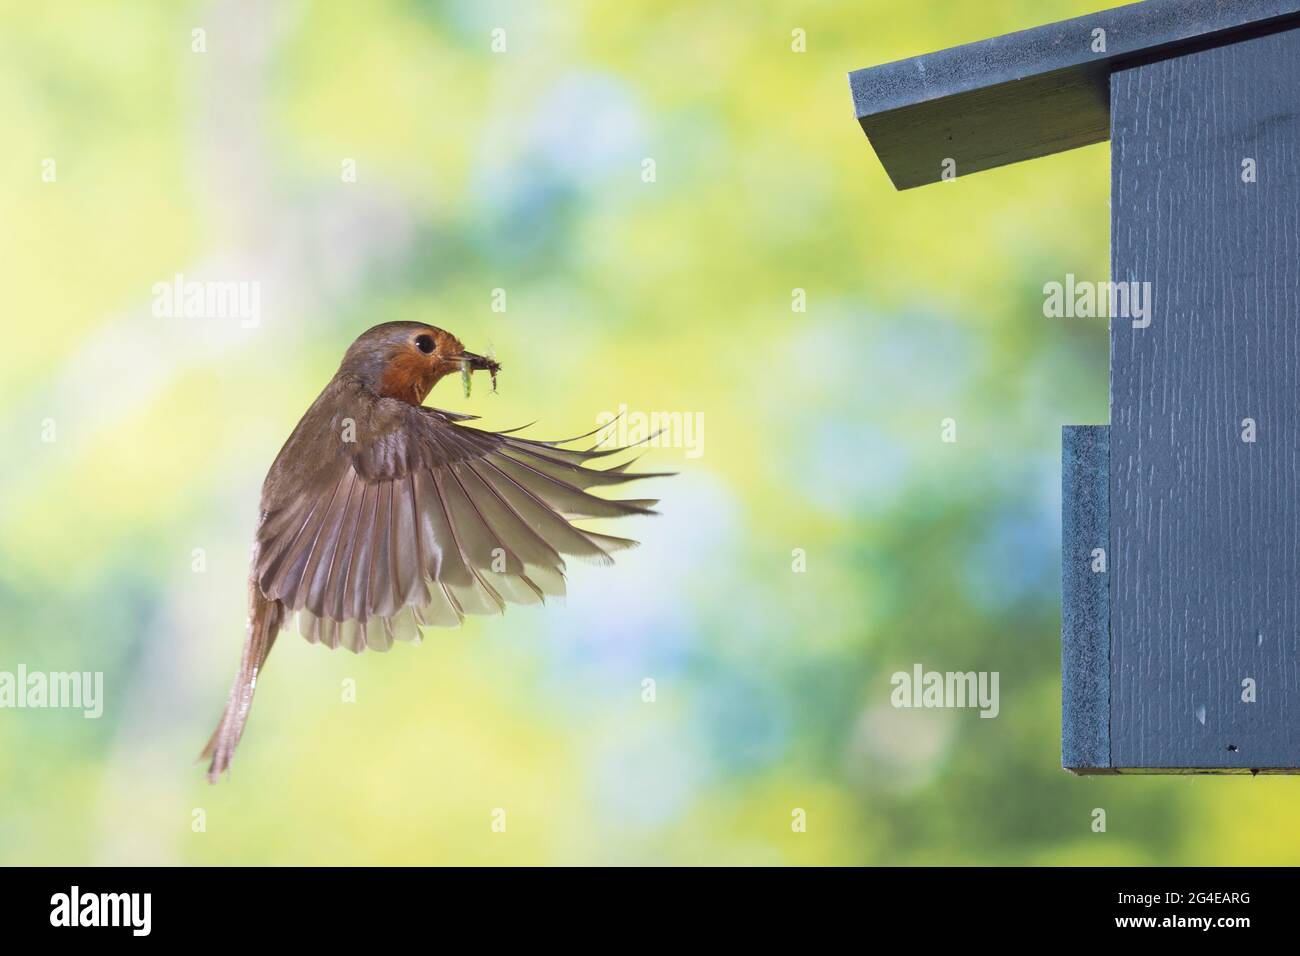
{"points": [[427, 520]]}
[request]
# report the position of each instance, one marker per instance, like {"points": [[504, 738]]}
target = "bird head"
{"points": [[405, 360]]}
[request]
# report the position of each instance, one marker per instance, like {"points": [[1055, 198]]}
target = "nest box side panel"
{"points": [[1085, 597], [1205, 410]]}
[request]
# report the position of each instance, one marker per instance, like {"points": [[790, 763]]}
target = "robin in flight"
{"points": [[381, 515]]}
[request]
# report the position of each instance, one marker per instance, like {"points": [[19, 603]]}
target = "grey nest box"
{"points": [[1180, 549]]}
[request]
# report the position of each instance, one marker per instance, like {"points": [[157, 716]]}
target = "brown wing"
{"points": [[430, 520]]}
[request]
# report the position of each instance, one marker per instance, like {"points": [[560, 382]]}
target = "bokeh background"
{"points": [[522, 170]]}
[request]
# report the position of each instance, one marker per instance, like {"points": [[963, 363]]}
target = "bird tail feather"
{"points": [[265, 621]]}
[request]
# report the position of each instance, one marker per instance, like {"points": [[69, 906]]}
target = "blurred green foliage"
{"points": [[522, 171]]}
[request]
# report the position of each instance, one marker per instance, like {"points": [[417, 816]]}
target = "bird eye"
{"points": [[424, 343]]}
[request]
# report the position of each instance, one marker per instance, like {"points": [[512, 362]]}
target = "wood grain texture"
{"points": [[1205, 554]]}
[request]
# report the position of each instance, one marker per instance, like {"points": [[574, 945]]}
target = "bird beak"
{"points": [[479, 362]]}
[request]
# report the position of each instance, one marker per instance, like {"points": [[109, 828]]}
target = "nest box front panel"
{"points": [[1204, 570]]}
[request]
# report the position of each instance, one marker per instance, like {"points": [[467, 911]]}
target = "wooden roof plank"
{"points": [[1032, 93]]}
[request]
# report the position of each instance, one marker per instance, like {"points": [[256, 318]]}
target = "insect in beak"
{"points": [[479, 362], [469, 362]]}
